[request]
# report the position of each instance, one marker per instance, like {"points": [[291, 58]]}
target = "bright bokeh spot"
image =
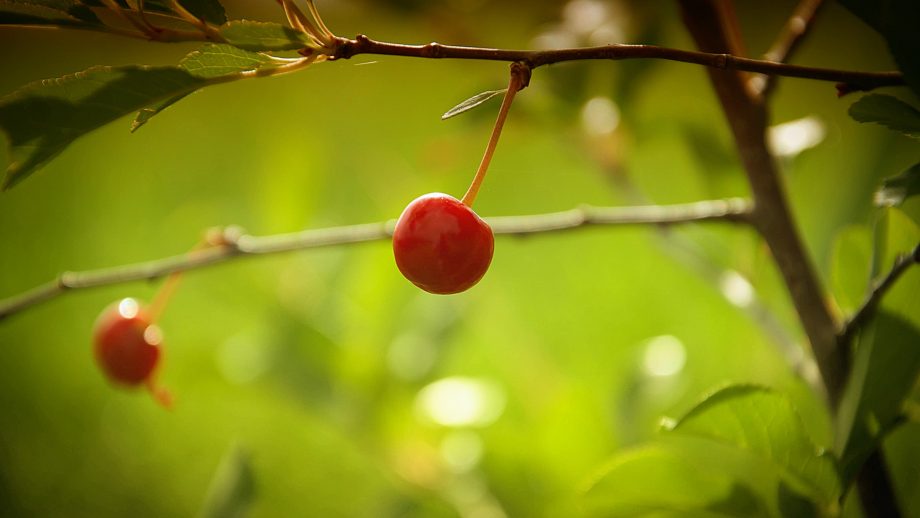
{"points": [[459, 401], [664, 355], [791, 138], [736, 289], [600, 116], [128, 308]]}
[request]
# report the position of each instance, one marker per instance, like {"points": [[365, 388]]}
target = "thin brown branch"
{"points": [[787, 42], [868, 307], [234, 244], [747, 118], [363, 45]]}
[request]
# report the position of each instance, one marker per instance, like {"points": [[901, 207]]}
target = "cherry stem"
{"points": [[155, 309], [520, 77]]}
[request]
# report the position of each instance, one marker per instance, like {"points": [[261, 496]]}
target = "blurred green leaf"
{"points": [[45, 12], [251, 35], [233, 487], [895, 234], [211, 11], [851, 266], [888, 111], [764, 422], [658, 479], [794, 505], [896, 21], [885, 369], [896, 189], [42, 118]]}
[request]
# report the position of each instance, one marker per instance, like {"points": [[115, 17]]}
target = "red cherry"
{"points": [[441, 245], [126, 343]]}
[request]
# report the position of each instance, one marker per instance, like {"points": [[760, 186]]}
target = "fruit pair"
{"points": [[439, 243]]}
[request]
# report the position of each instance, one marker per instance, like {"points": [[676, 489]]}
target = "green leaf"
{"points": [[888, 111], [217, 60], [145, 114], [887, 358], [851, 266], [232, 489], [764, 422], [663, 480], [46, 12], [41, 119], [251, 35], [884, 372], [472, 102], [896, 189], [896, 21], [44, 117]]}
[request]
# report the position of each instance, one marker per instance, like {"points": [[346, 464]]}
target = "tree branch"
{"points": [[346, 48], [788, 40], [859, 318], [233, 243], [747, 118]]}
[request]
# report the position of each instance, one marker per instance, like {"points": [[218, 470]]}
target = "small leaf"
{"points": [[765, 423], [896, 189], [217, 60], [232, 489], [657, 478], [888, 111], [472, 102], [145, 114], [251, 35]]}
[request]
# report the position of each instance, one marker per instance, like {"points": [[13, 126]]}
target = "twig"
{"points": [[788, 40], [868, 307], [237, 245], [346, 48]]}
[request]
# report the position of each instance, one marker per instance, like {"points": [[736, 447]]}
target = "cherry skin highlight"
{"points": [[441, 245], [126, 344]]}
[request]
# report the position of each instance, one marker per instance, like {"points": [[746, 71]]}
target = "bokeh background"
{"points": [[348, 391]]}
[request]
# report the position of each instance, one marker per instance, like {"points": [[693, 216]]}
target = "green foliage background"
{"points": [[311, 362]]}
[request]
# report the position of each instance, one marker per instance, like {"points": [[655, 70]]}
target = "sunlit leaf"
{"points": [[765, 423], [232, 489], [471, 103], [896, 189], [251, 35], [851, 266], [216, 60], [660, 480], [888, 111]]}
